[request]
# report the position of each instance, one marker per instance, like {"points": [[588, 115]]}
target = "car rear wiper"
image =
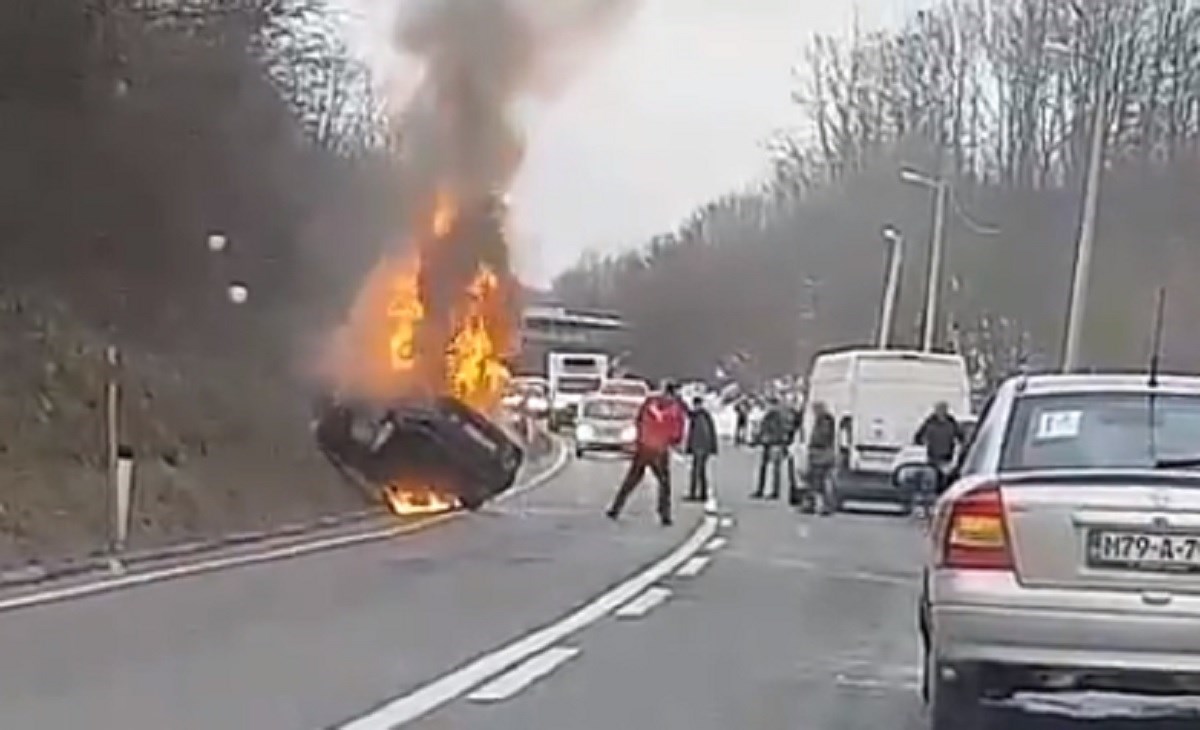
{"points": [[1186, 462]]}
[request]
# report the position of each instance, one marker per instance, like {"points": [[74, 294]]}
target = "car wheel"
{"points": [[954, 704], [579, 453]]}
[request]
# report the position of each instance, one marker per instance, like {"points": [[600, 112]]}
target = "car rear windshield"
{"points": [[1101, 431], [610, 410]]}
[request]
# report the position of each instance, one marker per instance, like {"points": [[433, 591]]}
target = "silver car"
{"points": [[1066, 556], [606, 423]]}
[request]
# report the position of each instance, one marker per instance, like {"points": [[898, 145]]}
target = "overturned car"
{"points": [[437, 442]]}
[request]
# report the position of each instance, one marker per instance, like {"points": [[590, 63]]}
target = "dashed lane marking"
{"points": [[644, 603], [693, 567], [429, 697], [726, 522], [531, 670], [715, 544]]}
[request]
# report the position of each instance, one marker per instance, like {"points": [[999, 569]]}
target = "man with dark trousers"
{"points": [[660, 424], [701, 445]]}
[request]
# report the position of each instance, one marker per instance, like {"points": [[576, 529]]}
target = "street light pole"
{"points": [[934, 280], [891, 287], [1087, 228]]}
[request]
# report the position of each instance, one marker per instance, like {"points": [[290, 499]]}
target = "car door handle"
{"points": [[1156, 598]]}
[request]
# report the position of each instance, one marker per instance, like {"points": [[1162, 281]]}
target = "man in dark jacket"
{"points": [[773, 435], [702, 445], [660, 425], [941, 436], [742, 413]]}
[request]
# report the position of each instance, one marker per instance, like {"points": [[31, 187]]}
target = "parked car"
{"points": [[626, 388], [528, 395], [1066, 555], [606, 423]]}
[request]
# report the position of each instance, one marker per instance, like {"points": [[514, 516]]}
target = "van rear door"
{"points": [[893, 394]]}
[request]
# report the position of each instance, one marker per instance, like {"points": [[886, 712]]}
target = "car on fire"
{"points": [[438, 443], [1066, 554], [606, 423]]}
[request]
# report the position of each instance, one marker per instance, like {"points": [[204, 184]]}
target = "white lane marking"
{"points": [[132, 580], [530, 671], [868, 683], [715, 544], [693, 567], [644, 603], [427, 698], [726, 522]]}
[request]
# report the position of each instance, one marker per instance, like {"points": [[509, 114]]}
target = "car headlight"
{"points": [[585, 432], [629, 433]]}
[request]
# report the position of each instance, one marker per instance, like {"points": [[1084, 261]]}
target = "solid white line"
{"points": [[530, 671], [282, 553], [693, 567], [716, 544], [429, 697], [644, 603]]}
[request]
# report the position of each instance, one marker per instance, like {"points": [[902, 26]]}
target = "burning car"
{"points": [[424, 455]]}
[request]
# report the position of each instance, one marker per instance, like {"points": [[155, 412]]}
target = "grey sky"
{"points": [[674, 113]]}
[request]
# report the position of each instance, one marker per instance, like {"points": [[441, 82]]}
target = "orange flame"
{"points": [[406, 500], [380, 346]]}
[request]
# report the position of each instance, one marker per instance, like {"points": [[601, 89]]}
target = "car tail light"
{"points": [[976, 536]]}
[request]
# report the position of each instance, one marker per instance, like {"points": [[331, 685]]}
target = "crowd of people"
{"points": [[665, 423]]}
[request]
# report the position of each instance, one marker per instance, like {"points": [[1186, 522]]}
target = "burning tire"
{"points": [[437, 444]]}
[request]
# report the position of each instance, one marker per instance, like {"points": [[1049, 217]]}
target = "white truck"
{"points": [[878, 399], [572, 376]]}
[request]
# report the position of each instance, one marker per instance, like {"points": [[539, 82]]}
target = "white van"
{"points": [[878, 399]]}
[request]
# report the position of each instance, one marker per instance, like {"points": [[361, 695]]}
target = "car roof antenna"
{"points": [[1156, 343], [1155, 357]]}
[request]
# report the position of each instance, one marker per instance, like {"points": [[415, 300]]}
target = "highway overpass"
{"points": [[548, 327]]}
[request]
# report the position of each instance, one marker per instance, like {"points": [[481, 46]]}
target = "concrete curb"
{"points": [[43, 572]]}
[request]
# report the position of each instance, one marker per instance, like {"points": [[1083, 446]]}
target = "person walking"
{"points": [[772, 439], [702, 446], [661, 420], [941, 436], [821, 456], [741, 412]]}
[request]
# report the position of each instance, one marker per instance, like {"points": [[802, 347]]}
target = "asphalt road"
{"points": [[775, 622]]}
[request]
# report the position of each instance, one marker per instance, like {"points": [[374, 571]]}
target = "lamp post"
{"points": [[891, 286], [933, 281], [1082, 269]]}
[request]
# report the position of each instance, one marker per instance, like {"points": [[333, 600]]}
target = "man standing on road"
{"points": [[941, 436], [660, 424], [702, 445], [741, 411], [822, 450], [773, 440]]}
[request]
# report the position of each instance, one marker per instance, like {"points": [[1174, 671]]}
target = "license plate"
{"points": [[1143, 550]]}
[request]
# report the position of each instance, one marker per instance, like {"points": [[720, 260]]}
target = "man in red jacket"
{"points": [[660, 424]]}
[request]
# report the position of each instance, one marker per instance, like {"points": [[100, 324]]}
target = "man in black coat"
{"points": [[941, 436], [773, 437], [702, 445]]}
